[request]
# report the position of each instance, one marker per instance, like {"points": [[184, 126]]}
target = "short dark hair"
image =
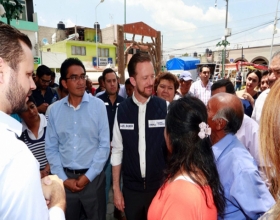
{"points": [[257, 72], [53, 74], [265, 73], [223, 83], [202, 66], [10, 48], [106, 71], [127, 82], [100, 79], [43, 70], [31, 99], [67, 63], [137, 58], [167, 76]]}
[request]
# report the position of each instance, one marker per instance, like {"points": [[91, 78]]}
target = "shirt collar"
{"points": [[10, 123], [84, 99], [43, 123], [221, 145], [208, 84], [139, 103]]}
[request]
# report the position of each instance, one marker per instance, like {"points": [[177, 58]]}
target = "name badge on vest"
{"points": [[126, 126], [106, 103], [156, 123]]}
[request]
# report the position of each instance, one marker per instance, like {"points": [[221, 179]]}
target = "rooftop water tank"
{"points": [[61, 26]]}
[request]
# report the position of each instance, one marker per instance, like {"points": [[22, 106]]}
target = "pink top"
{"points": [[182, 199]]}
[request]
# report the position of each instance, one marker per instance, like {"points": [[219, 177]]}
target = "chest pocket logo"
{"points": [[156, 123], [126, 126]]}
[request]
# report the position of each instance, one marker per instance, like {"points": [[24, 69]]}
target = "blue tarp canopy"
{"points": [[182, 63]]}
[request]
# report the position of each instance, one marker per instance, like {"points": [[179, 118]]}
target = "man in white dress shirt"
{"points": [[138, 146], [274, 74], [22, 194], [202, 88]]}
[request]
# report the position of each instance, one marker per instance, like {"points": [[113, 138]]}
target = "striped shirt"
{"points": [[36, 146], [200, 91]]}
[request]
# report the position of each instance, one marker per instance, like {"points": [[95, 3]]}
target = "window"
{"points": [[103, 52], [76, 50]]}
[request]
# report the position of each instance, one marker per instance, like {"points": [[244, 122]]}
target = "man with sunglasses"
{"points": [[78, 144], [273, 75], [44, 95], [202, 88]]}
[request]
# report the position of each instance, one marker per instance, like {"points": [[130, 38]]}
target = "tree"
{"points": [[13, 9], [185, 55]]}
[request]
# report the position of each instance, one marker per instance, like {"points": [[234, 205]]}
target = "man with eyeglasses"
{"points": [[202, 88], [78, 144], [44, 95], [273, 75]]}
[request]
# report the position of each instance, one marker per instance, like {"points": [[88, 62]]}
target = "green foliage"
{"points": [[13, 9]]}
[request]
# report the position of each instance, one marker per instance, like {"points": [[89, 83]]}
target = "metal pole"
{"points": [[225, 50], [241, 57], [96, 32], [274, 30], [125, 16]]}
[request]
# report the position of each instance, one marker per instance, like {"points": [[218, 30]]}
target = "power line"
{"points": [[185, 48]]}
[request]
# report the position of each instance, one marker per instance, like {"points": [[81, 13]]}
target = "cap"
{"points": [[186, 76]]}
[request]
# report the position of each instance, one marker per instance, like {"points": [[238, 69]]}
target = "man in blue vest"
{"points": [[138, 143]]}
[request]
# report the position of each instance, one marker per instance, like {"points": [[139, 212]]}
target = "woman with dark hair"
{"points": [[192, 189], [166, 85], [33, 134], [250, 93]]}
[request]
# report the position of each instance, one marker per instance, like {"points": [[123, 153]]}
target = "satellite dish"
{"points": [[45, 41]]}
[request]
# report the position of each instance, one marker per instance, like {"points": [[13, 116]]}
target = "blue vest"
{"points": [[156, 150]]}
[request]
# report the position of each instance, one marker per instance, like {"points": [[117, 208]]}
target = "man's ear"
{"points": [[64, 83], [220, 124], [132, 80]]}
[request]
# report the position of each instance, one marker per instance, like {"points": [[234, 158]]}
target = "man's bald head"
{"points": [[229, 108]]}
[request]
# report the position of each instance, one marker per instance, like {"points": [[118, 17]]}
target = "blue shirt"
{"points": [[245, 192], [78, 138]]}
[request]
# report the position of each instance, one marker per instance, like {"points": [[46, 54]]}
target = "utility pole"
{"points": [[274, 31]]}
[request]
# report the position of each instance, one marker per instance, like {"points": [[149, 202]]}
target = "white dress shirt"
{"points": [[248, 136], [257, 112], [117, 143], [200, 91], [21, 193], [43, 124]]}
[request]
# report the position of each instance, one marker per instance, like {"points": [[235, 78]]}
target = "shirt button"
{"points": [[75, 122], [74, 148]]}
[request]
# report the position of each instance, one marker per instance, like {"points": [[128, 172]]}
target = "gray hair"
{"points": [[230, 116], [276, 54]]}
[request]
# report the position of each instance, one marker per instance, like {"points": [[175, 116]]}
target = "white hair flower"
{"points": [[205, 130]]}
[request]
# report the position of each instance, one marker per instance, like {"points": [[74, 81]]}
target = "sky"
{"points": [[186, 26]]}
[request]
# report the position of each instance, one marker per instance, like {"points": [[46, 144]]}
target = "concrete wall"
{"points": [[45, 32], [109, 35]]}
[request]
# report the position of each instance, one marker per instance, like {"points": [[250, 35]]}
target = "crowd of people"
{"points": [[170, 147]]}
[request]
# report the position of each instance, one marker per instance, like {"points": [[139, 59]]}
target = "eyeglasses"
{"points": [[45, 81], [75, 78]]}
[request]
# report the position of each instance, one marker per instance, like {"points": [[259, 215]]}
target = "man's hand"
{"points": [[43, 107], [82, 181], [119, 200], [71, 184], [53, 191]]}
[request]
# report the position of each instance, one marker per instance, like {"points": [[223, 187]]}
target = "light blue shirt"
{"points": [[245, 192], [78, 138]]}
